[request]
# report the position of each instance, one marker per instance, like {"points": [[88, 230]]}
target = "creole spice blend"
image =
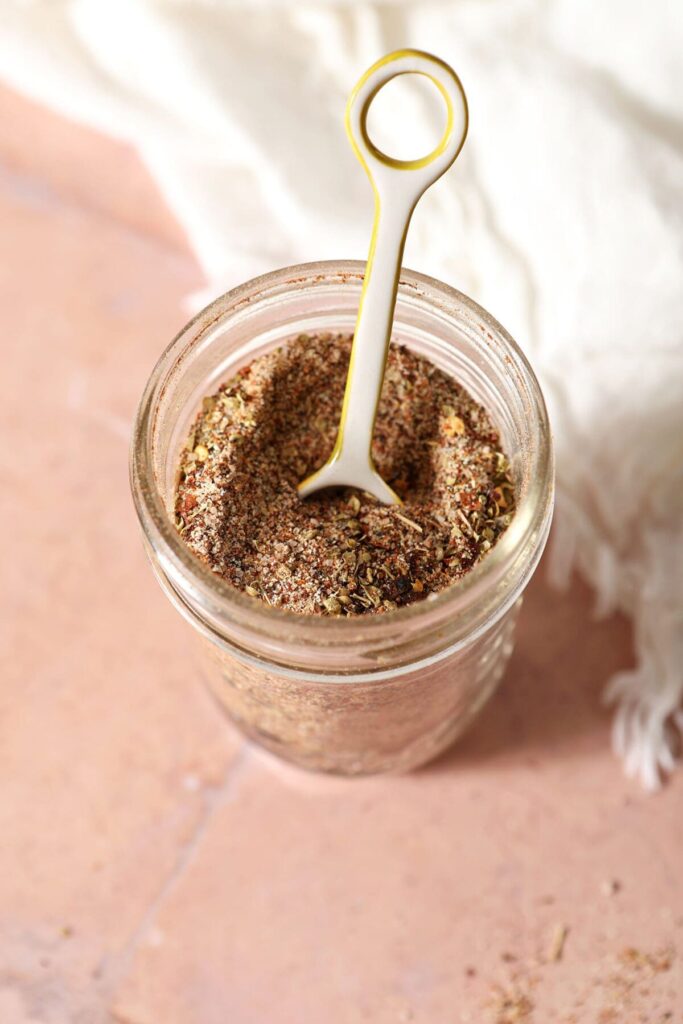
{"points": [[340, 552]]}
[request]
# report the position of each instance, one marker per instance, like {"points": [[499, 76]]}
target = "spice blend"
{"points": [[340, 552]]}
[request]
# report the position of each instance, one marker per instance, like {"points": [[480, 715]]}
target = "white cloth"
{"points": [[562, 217]]}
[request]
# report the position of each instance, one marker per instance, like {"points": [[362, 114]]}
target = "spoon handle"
{"points": [[398, 185], [372, 333]]}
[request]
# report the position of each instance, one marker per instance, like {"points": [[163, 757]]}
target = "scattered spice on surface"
{"points": [[636, 983], [557, 943], [510, 1005], [340, 553], [631, 986], [654, 963]]}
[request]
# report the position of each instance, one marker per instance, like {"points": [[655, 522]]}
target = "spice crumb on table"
{"points": [[340, 552]]}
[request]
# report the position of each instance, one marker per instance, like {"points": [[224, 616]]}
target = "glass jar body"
{"points": [[363, 727], [350, 695]]}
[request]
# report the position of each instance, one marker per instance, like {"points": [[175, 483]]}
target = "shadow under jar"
{"points": [[370, 693]]}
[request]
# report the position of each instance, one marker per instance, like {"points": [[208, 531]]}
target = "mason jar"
{"points": [[370, 693]]}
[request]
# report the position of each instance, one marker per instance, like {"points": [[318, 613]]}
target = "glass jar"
{"points": [[369, 693]]}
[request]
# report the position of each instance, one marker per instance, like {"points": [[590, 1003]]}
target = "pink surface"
{"points": [[155, 869]]}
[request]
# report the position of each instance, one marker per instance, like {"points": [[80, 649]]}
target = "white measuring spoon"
{"points": [[398, 185]]}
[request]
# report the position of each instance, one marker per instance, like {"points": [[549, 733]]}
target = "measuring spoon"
{"points": [[398, 185]]}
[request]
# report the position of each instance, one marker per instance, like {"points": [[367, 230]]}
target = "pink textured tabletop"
{"points": [[156, 869]]}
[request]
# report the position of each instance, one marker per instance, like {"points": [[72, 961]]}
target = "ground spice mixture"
{"points": [[340, 552]]}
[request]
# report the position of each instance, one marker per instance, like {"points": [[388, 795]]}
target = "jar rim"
{"points": [[249, 617]]}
